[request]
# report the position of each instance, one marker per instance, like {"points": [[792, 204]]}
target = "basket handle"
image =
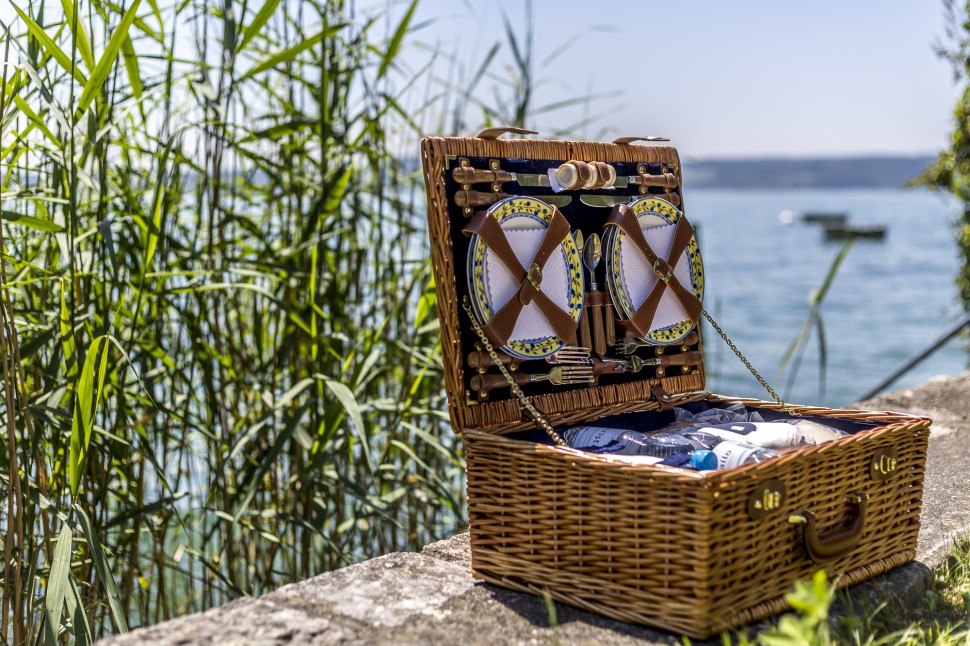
{"points": [[495, 133], [626, 141], [838, 543]]}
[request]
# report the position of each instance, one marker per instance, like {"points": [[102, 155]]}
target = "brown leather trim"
{"points": [[664, 180], [639, 324], [500, 327], [592, 299], [605, 174]]}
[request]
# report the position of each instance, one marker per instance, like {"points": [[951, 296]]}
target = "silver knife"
{"points": [[609, 201]]}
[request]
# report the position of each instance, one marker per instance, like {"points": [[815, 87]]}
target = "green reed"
{"points": [[219, 345]]}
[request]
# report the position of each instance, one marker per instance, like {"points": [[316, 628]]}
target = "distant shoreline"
{"points": [[834, 172]]}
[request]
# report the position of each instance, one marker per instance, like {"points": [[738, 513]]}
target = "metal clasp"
{"points": [[535, 276], [663, 270]]}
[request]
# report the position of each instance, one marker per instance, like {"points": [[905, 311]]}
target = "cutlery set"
{"points": [[535, 264], [573, 176]]}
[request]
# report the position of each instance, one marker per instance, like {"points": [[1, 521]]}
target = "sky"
{"points": [[721, 79], [746, 78]]}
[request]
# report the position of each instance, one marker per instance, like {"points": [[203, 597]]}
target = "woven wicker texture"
{"points": [[677, 549], [668, 547], [505, 416]]}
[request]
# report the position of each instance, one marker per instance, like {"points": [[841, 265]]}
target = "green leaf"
{"points": [[80, 37], [348, 400], [49, 46], [834, 269], [290, 53], [259, 21], [266, 463], [34, 118], [57, 585], [155, 225], [85, 406], [104, 571], [67, 337], [32, 222], [158, 14], [75, 608], [146, 510], [394, 46], [337, 190], [100, 73], [131, 65], [823, 355]]}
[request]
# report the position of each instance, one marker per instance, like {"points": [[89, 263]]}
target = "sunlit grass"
{"points": [[217, 290]]}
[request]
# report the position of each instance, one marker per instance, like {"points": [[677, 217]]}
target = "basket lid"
{"points": [[505, 245]]}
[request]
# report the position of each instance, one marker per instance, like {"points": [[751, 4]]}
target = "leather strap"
{"points": [[604, 171], [639, 324], [500, 328]]}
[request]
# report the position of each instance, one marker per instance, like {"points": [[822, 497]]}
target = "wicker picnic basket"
{"points": [[687, 551]]}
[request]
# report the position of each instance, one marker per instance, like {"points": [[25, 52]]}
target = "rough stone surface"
{"points": [[946, 498], [431, 597]]}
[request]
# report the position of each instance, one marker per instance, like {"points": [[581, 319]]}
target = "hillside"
{"points": [[843, 172]]}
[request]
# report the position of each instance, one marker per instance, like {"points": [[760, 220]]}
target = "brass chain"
{"points": [[717, 328], [527, 404], [540, 419]]}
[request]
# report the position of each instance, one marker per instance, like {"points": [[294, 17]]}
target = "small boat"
{"points": [[845, 230], [819, 217]]}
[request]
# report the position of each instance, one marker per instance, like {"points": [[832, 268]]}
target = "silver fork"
{"points": [[566, 375], [559, 376], [629, 346], [633, 363], [569, 354]]}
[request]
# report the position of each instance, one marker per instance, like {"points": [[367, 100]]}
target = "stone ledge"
{"points": [[431, 597]]}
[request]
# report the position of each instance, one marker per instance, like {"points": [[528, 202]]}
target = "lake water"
{"points": [[890, 298]]}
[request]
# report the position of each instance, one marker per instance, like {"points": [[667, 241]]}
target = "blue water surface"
{"points": [[889, 299]]}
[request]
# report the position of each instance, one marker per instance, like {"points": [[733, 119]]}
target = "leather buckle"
{"points": [[534, 276], [663, 270]]}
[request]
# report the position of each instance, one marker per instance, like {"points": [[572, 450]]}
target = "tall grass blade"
{"points": [[290, 53], [57, 586], [81, 629], [76, 25], [132, 67], [394, 46], [349, 402], [796, 347], [103, 568], [834, 269], [94, 85], [258, 22], [85, 406], [49, 46]]}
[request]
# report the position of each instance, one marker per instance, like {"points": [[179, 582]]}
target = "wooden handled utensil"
{"points": [[592, 254], [471, 199], [629, 346], [585, 339], [558, 376], [568, 354], [634, 363], [467, 175]]}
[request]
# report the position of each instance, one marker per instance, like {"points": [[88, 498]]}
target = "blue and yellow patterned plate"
{"points": [[525, 221], [630, 278]]}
